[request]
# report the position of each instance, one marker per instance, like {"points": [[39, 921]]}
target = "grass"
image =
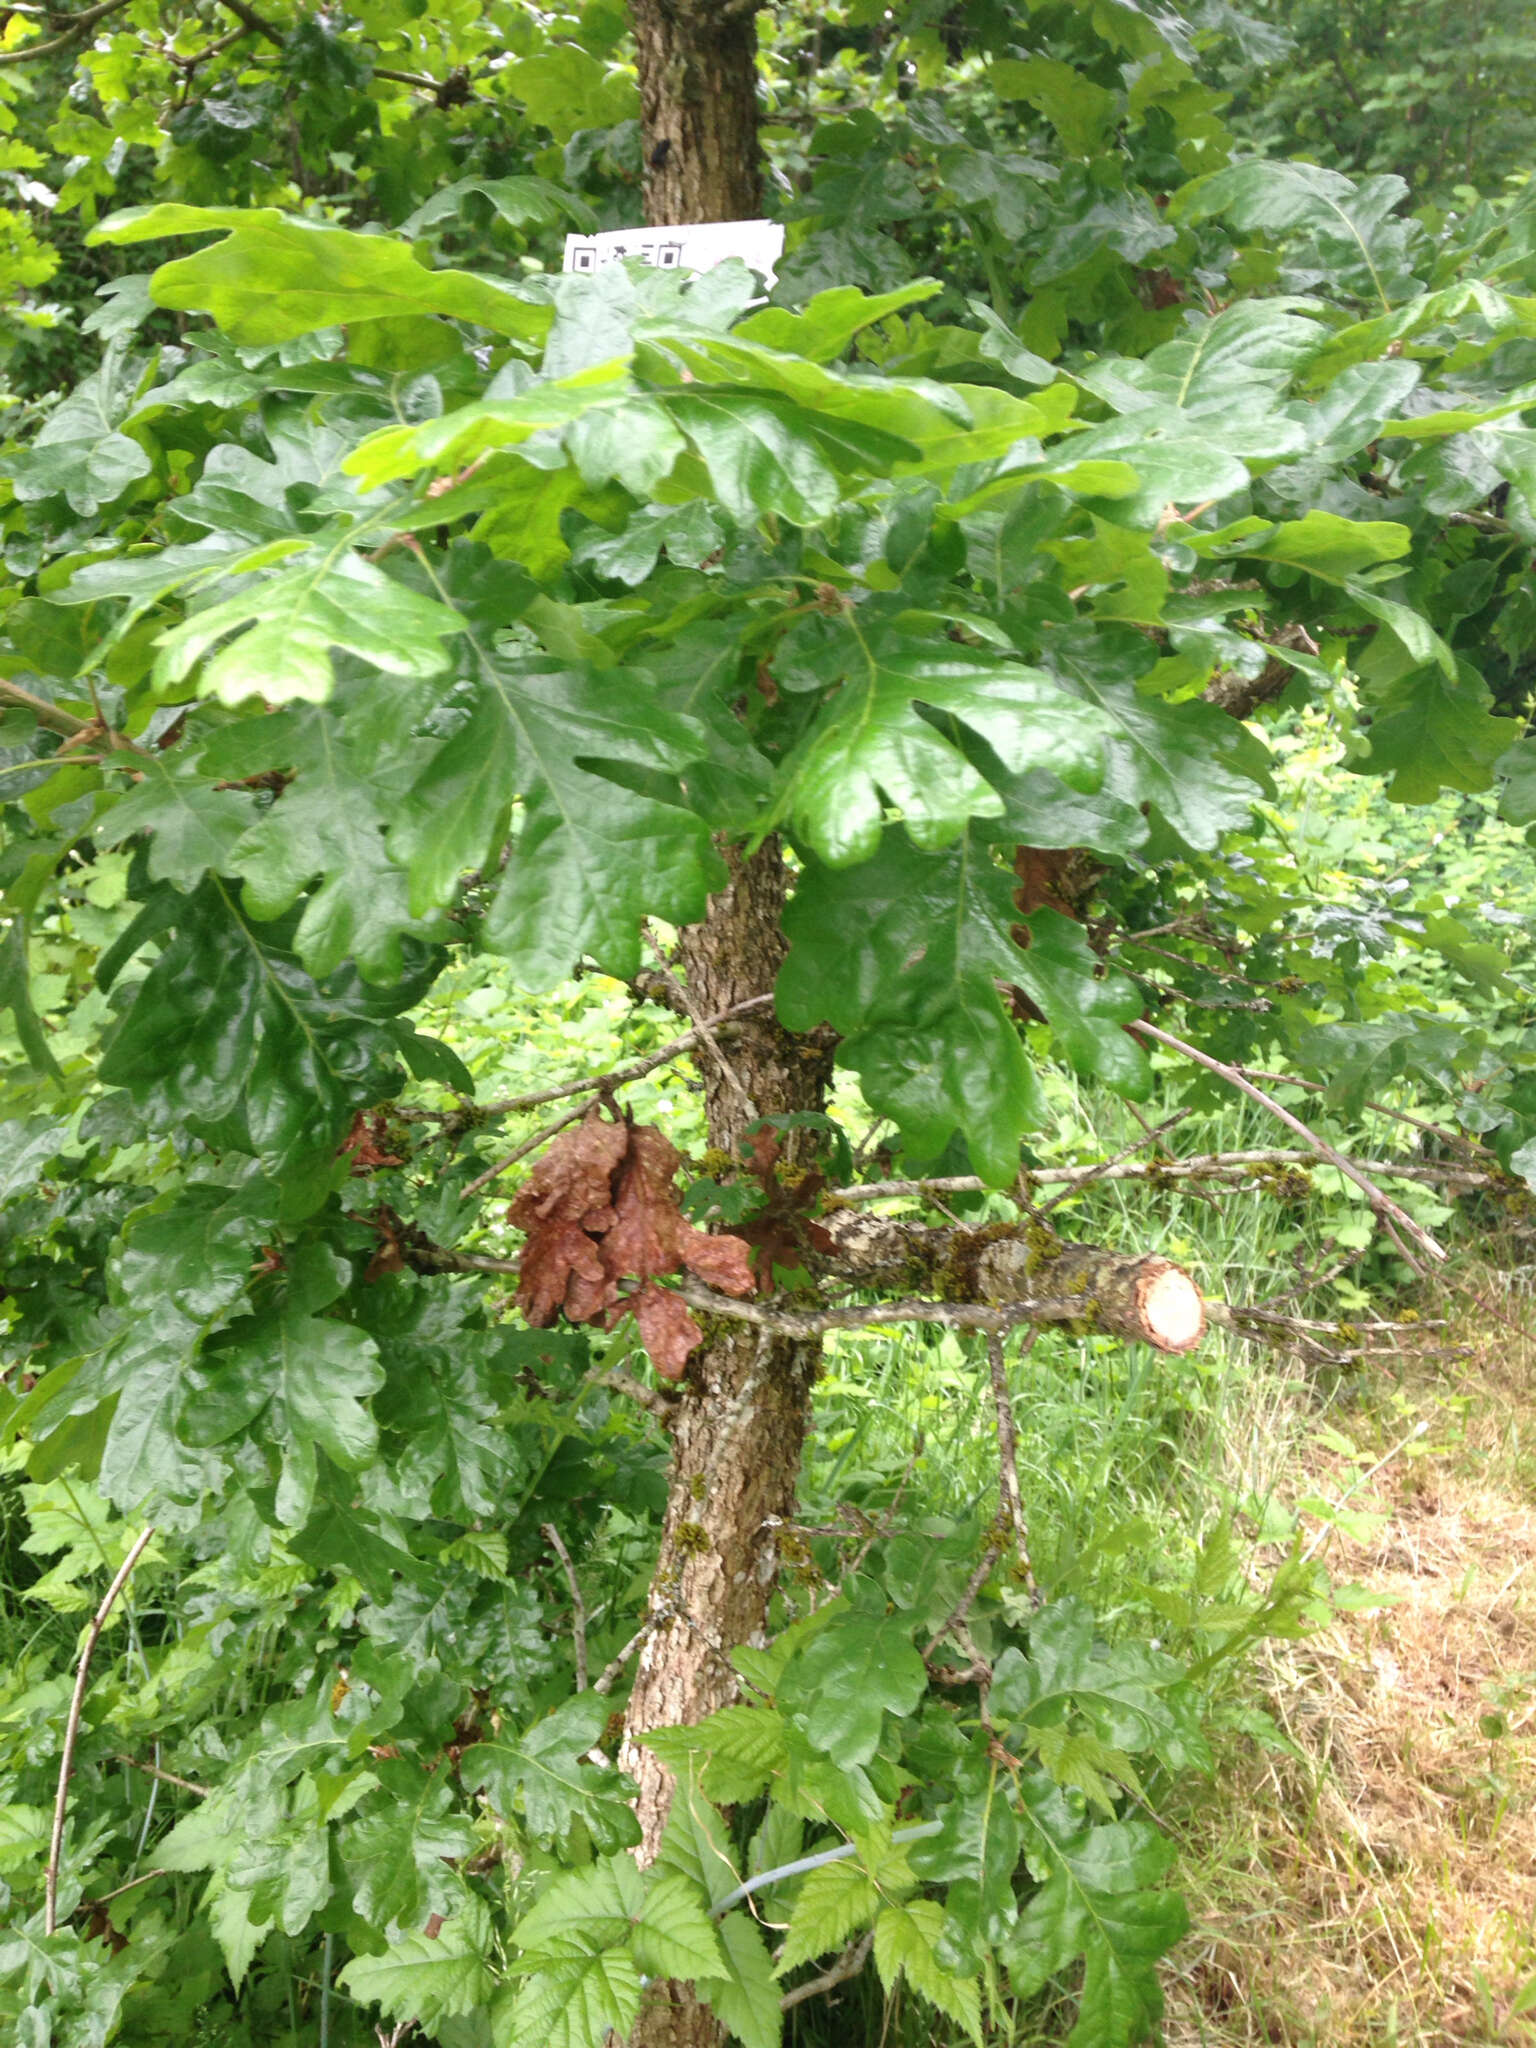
{"points": [[1361, 1868], [1368, 1879]]}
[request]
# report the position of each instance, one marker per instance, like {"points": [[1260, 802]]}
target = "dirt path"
{"points": [[1374, 1884]]}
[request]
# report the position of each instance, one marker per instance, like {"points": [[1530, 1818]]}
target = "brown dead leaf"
{"points": [[600, 1207], [667, 1328], [572, 1182], [562, 1269]]}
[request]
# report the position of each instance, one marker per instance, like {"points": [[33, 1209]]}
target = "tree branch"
{"points": [[257, 24], [848, 1964], [703, 1030], [72, 1728], [1218, 1166], [1008, 1449], [45, 713], [26, 52], [1385, 1208]]}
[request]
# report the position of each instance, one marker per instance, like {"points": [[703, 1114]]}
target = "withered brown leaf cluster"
{"points": [[599, 1208]]}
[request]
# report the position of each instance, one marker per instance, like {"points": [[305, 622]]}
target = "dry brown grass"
{"points": [[1376, 1883]]}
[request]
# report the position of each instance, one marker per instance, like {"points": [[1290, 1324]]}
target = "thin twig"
{"points": [[704, 1028], [106, 1898], [1383, 1204], [25, 52], [597, 1084], [165, 1777], [540, 1137], [578, 1605], [651, 1399], [973, 1585], [44, 712], [1201, 1166], [1148, 1137], [72, 1727], [1008, 1449], [608, 1678], [848, 1964], [1401, 1116]]}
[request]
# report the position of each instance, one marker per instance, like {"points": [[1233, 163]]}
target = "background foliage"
{"points": [[389, 626]]}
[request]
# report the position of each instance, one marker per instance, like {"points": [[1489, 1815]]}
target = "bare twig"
{"points": [[848, 1964], [615, 1077], [540, 1137], [1008, 1450], [704, 1029], [165, 1777], [593, 1084], [1097, 1173], [608, 1678], [955, 1620], [1383, 1204], [1401, 1116], [651, 1399], [106, 1898], [72, 1727], [578, 1605], [1218, 1166], [256, 23]]}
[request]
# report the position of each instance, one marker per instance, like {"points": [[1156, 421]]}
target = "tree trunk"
{"points": [[739, 1429], [698, 109]]}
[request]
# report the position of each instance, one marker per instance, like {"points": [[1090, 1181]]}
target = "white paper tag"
{"points": [[699, 246]]}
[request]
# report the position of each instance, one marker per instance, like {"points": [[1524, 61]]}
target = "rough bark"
{"points": [[738, 1429], [1140, 1297], [698, 109]]}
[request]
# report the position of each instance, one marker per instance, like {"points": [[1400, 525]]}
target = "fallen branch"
{"points": [[72, 1728], [1386, 1209]]}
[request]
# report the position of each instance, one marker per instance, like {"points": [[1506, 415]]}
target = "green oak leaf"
{"points": [[192, 826], [870, 746], [275, 276], [286, 625], [1429, 731], [399, 1850], [593, 857], [902, 956], [1194, 769]]}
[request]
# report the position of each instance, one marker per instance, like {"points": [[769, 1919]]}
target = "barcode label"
{"points": [[699, 246]]}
